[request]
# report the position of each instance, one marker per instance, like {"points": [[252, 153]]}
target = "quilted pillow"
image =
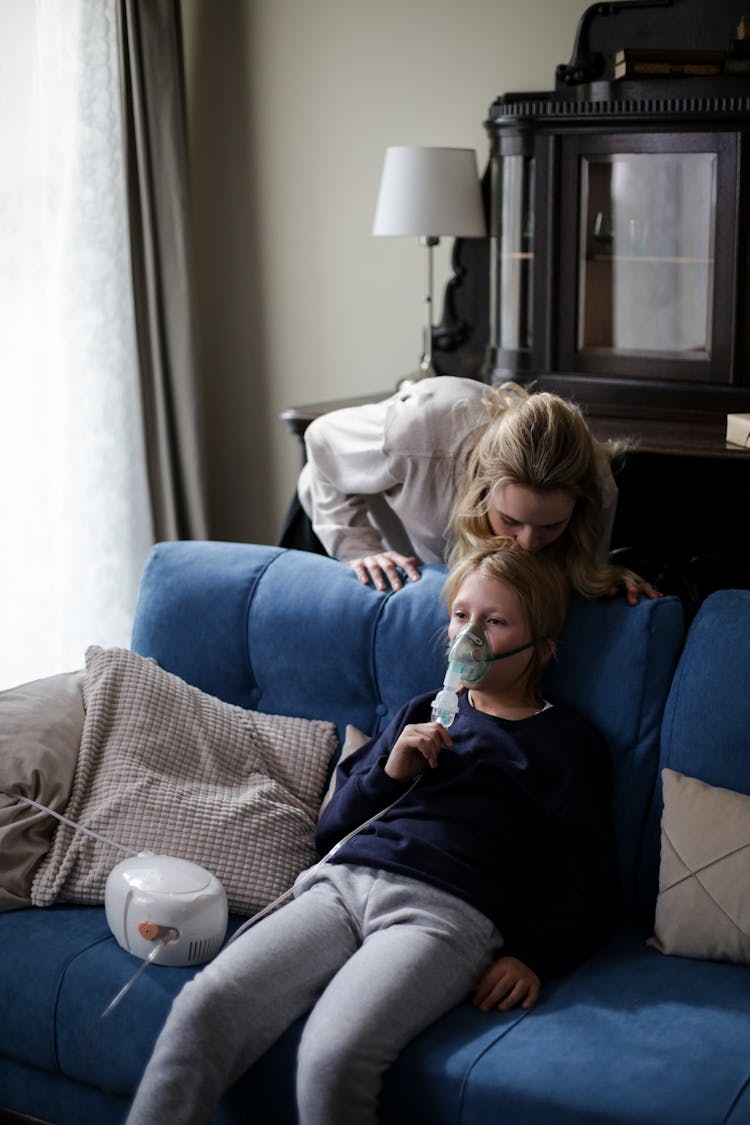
{"points": [[165, 767], [703, 906]]}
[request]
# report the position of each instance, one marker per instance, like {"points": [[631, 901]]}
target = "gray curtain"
{"points": [[157, 177]]}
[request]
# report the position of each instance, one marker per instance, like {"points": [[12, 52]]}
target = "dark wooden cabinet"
{"points": [[618, 265], [619, 252]]}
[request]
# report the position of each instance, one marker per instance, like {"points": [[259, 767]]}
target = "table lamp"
{"points": [[429, 192]]}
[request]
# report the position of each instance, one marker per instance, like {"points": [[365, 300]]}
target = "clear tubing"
{"points": [[70, 823], [316, 867]]}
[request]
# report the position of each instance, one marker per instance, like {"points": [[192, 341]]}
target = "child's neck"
{"points": [[513, 705]]}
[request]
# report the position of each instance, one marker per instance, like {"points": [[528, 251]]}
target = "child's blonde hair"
{"points": [[542, 588], [540, 441]]}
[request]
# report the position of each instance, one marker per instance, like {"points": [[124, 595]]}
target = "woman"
{"points": [[449, 463]]}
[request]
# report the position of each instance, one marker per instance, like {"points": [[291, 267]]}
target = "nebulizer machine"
{"points": [[469, 660], [171, 901]]}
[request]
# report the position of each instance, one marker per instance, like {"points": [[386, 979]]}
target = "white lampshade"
{"points": [[430, 192]]}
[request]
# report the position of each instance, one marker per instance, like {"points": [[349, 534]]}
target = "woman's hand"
{"points": [[416, 749], [382, 569], [634, 587], [506, 983]]}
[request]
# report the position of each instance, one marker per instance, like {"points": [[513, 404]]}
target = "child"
{"points": [[494, 871], [450, 463]]}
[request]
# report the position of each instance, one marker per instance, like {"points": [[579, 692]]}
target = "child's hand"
{"points": [[506, 983], [417, 747]]}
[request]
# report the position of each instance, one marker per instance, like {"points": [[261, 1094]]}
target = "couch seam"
{"points": [[632, 891], [465, 1081], [380, 702], [249, 598], [735, 1101], [63, 975]]}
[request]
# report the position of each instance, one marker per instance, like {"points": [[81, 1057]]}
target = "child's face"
{"points": [[534, 519], [495, 606]]}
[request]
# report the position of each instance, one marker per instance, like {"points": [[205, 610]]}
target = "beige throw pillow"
{"points": [[353, 739], [40, 732], [165, 767], [703, 906]]}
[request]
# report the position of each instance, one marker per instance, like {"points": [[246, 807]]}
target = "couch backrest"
{"points": [[706, 726], [294, 633], [615, 664]]}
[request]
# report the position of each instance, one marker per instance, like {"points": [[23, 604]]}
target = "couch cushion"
{"points": [[707, 717], [195, 589], [38, 946], [356, 655], [630, 1036], [703, 908], [166, 767], [614, 664], [40, 733]]}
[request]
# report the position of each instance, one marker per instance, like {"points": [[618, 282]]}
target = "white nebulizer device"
{"points": [[469, 659], [159, 898]]}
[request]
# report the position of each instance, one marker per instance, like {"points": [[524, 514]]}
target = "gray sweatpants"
{"points": [[377, 958]]}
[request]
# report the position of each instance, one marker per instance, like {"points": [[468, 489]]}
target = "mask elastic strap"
{"points": [[521, 648]]}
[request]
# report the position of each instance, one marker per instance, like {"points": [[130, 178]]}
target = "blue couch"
{"points": [[631, 1036]]}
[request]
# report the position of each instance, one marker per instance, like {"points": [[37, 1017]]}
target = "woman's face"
{"points": [[534, 519]]}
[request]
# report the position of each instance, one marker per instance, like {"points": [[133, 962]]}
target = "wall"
{"points": [[291, 104]]}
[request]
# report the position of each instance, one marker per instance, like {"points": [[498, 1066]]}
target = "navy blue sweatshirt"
{"points": [[515, 819]]}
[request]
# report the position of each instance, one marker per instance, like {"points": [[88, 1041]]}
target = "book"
{"points": [[738, 429], [645, 61]]}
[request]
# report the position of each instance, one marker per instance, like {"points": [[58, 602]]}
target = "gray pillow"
{"points": [[40, 732], [165, 767]]}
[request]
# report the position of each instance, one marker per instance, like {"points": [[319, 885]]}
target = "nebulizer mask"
{"points": [[469, 660]]}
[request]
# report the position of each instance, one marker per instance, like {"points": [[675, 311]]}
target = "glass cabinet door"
{"points": [[643, 252], [511, 276], [646, 253]]}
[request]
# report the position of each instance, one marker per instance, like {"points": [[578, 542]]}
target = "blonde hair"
{"points": [[540, 441], [542, 588]]}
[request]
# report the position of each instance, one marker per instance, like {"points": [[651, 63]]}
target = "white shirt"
{"points": [[384, 476]]}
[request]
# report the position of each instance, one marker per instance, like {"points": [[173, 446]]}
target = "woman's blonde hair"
{"points": [[542, 589], [540, 441]]}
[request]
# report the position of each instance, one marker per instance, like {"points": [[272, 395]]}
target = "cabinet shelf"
{"points": [[649, 259]]}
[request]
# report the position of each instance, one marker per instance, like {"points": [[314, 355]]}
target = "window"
{"points": [[74, 509]]}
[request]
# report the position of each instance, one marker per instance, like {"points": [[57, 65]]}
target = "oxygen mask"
{"points": [[469, 660]]}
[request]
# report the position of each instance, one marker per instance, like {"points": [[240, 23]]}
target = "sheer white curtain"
{"points": [[75, 521]]}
